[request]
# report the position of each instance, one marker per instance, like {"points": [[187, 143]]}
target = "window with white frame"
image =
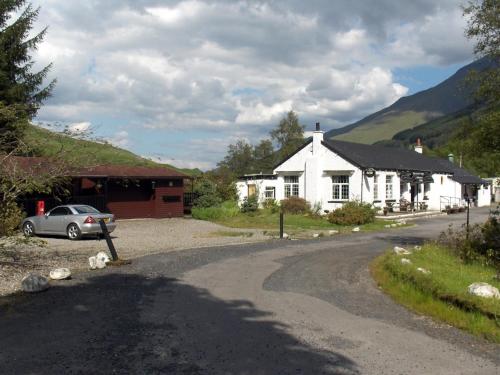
{"points": [[389, 189], [340, 188], [291, 186], [270, 193], [375, 187]]}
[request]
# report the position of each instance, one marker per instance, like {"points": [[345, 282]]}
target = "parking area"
{"points": [[132, 239]]}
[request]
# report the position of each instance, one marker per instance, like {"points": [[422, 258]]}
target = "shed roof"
{"points": [[36, 164]]}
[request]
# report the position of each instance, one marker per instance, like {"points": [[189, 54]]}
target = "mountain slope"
{"points": [[44, 142], [448, 97]]}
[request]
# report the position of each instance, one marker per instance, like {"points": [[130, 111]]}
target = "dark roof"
{"points": [[40, 164], [379, 157], [122, 171], [385, 158]]}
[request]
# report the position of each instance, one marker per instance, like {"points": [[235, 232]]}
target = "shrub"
{"points": [[10, 218], [481, 243], [250, 204], [295, 205], [353, 213], [272, 205], [206, 194], [226, 209]]}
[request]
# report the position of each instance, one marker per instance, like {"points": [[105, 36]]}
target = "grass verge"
{"points": [[227, 233], [442, 294]]}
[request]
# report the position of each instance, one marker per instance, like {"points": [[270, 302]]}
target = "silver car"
{"points": [[73, 221]]}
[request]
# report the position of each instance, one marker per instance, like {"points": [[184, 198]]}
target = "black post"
{"points": [[467, 225], [281, 224], [111, 247]]}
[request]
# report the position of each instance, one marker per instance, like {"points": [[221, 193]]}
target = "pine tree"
{"points": [[289, 134], [21, 90]]}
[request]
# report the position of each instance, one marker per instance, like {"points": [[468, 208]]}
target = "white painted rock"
{"points": [[34, 283], [402, 222], [285, 235], [423, 270], [405, 261], [394, 225], [93, 263], [401, 251], [100, 263], [60, 274], [356, 229], [103, 256], [483, 290], [387, 225], [315, 235], [333, 231], [417, 248]]}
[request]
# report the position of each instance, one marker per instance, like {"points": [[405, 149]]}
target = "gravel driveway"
{"points": [[132, 239], [280, 307]]}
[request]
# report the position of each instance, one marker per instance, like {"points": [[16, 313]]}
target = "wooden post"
{"points": [[111, 247], [467, 225], [281, 224]]}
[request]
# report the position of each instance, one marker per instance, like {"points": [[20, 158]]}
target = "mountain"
{"points": [[44, 142], [452, 97]]}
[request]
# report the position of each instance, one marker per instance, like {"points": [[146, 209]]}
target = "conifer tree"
{"points": [[21, 90]]}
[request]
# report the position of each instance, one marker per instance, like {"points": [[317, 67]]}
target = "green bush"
{"points": [[10, 218], [353, 213], [250, 204], [206, 194], [295, 205], [480, 243], [226, 209], [271, 205]]}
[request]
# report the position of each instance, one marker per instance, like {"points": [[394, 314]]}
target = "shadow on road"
{"points": [[120, 323]]}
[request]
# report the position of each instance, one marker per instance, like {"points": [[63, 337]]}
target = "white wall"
{"points": [[260, 185]]}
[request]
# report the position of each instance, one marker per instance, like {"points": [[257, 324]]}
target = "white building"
{"points": [[332, 172]]}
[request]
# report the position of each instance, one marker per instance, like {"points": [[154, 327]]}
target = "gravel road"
{"points": [[132, 239], [293, 307]]}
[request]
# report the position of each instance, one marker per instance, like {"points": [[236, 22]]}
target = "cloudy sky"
{"points": [[180, 80]]}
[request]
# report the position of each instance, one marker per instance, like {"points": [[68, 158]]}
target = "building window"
{"points": [[171, 198], [270, 193], [375, 187], [291, 186], [442, 180], [389, 190], [340, 188]]}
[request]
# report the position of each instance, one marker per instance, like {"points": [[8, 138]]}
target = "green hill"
{"points": [[43, 142], [446, 99], [434, 133]]}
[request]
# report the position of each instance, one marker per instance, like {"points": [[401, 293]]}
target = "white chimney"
{"points": [[317, 139], [418, 146]]}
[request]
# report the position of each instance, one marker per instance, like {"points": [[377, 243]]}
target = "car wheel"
{"points": [[73, 232], [28, 229]]}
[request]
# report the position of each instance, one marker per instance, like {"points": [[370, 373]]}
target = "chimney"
{"points": [[451, 158], [418, 146], [317, 139]]}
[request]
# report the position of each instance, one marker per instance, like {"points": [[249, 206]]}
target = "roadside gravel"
{"points": [[132, 239]]}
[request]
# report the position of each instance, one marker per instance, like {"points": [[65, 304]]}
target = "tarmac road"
{"points": [[292, 307]]}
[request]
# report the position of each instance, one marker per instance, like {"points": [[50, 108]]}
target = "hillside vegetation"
{"points": [[48, 143], [447, 98]]}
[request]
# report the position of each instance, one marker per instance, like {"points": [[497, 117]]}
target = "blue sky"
{"points": [[178, 81]]}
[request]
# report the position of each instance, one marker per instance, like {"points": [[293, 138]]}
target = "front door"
{"points": [[251, 190], [413, 193]]}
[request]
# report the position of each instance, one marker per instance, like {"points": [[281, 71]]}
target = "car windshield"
{"points": [[85, 210]]}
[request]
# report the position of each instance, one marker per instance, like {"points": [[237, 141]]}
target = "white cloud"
{"points": [[233, 68], [120, 139]]}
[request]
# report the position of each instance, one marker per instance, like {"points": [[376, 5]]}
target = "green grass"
{"points": [[47, 143], [384, 127], [442, 294], [230, 216]]}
